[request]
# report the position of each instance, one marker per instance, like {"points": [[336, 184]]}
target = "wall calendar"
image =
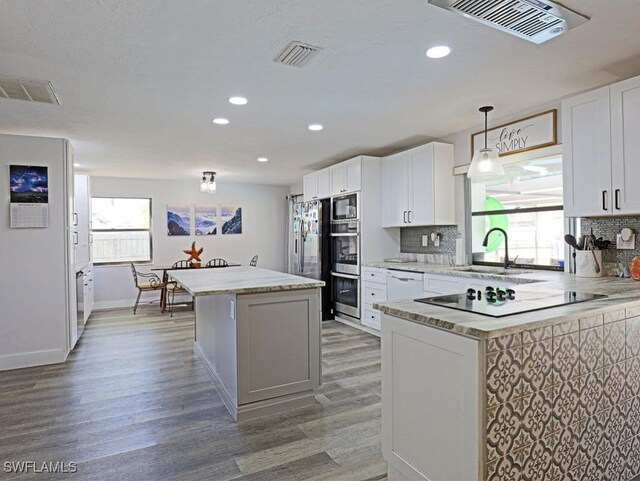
{"points": [[29, 188]]}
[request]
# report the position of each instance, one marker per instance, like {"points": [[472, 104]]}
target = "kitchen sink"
{"points": [[494, 271]]}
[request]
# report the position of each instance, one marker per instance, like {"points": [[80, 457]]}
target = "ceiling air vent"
{"points": [[296, 54], [534, 20], [29, 90]]}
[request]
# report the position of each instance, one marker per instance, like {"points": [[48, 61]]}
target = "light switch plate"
{"points": [[425, 241], [232, 312], [626, 245]]}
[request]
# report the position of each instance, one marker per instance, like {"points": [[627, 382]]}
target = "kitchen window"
{"points": [[528, 204], [121, 229]]}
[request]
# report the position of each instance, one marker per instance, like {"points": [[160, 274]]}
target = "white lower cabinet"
{"points": [[88, 291], [374, 289], [421, 367]]}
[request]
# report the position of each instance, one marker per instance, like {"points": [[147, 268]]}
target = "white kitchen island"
{"points": [[258, 333]]}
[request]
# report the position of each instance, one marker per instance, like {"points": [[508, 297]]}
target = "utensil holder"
{"points": [[586, 264]]}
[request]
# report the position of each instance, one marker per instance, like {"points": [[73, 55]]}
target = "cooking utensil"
{"points": [[571, 240], [581, 243]]}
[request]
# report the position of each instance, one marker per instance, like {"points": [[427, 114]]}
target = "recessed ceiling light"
{"points": [[315, 127], [263, 159], [439, 51], [75, 164], [220, 121], [238, 101]]}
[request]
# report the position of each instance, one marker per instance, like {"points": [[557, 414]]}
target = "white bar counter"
{"points": [[258, 333]]}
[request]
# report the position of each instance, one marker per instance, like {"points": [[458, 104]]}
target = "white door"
{"points": [[422, 209], [354, 175], [323, 184], [586, 134], [310, 187], [396, 190], [338, 179], [625, 146]]}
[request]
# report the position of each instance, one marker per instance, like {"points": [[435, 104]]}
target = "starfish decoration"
{"points": [[194, 254]]}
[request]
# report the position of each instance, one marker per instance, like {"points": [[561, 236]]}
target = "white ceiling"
{"points": [[141, 80]]}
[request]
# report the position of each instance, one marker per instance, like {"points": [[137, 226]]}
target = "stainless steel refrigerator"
{"points": [[309, 244]]}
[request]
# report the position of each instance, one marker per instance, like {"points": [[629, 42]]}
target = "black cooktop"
{"points": [[508, 301]]}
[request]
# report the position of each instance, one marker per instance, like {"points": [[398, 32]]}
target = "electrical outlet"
{"points": [[425, 241], [625, 245]]}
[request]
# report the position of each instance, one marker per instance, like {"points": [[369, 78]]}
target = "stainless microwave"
{"points": [[345, 207]]}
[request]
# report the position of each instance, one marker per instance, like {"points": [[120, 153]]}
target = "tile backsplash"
{"points": [[608, 228], [411, 240]]}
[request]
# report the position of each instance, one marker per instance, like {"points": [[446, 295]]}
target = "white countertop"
{"points": [[239, 280]]}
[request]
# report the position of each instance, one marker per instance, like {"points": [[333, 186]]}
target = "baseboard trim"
{"points": [[360, 327], [256, 409], [31, 359]]}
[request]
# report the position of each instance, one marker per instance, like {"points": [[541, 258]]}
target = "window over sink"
{"points": [[527, 202], [121, 230]]}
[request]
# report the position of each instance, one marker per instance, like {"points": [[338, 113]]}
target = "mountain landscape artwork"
{"points": [[28, 184], [231, 219], [178, 220], [206, 219]]}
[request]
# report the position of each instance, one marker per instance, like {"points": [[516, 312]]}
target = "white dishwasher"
{"points": [[404, 285]]}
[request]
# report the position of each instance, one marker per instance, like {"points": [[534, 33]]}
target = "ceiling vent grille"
{"points": [[29, 90], [296, 54], [533, 20]]}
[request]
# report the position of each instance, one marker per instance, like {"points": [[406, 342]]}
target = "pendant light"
{"points": [[208, 185], [485, 164]]}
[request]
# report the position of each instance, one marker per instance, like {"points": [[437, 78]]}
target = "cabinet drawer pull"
{"points": [[617, 197], [409, 217], [604, 200], [404, 216]]}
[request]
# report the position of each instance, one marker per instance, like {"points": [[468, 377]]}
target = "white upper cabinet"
{"points": [[625, 146], [324, 183], [587, 154], [317, 185], [601, 155], [346, 177], [417, 187]]}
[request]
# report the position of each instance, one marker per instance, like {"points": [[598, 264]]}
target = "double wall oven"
{"points": [[345, 255]]}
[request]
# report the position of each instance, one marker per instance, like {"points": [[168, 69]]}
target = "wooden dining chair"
{"points": [[254, 261], [217, 262], [145, 283]]}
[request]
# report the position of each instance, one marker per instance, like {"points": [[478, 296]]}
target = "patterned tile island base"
{"points": [[562, 401]]}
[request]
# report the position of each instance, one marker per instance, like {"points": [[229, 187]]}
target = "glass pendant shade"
{"points": [[485, 165], [212, 187], [203, 185]]}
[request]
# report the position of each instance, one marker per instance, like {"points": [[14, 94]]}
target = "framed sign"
{"points": [[535, 132]]}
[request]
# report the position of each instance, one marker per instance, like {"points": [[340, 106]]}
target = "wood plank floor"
{"points": [[134, 403]]}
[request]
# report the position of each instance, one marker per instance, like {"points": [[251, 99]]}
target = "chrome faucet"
{"points": [[506, 244]]}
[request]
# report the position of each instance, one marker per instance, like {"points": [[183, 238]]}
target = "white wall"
{"points": [[33, 315], [263, 229]]}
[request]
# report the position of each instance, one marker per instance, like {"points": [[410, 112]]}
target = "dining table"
{"points": [[165, 278]]}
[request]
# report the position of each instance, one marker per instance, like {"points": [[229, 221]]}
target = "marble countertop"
{"points": [[239, 280], [622, 294]]}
